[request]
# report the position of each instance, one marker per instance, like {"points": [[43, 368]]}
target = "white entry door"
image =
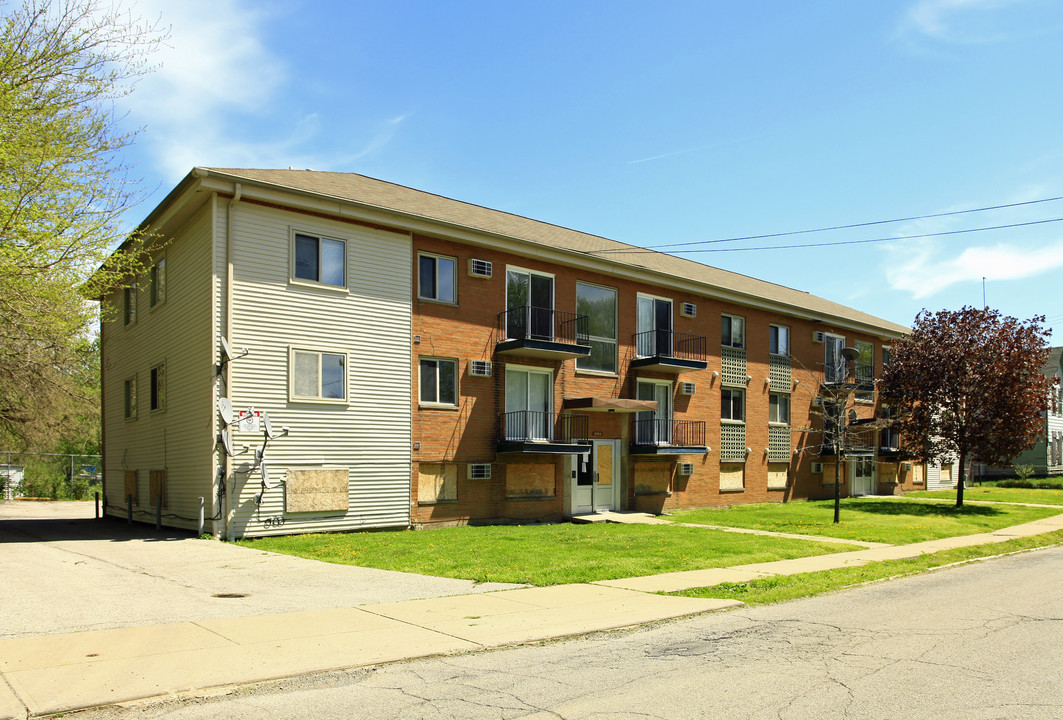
{"points": [[863, 475], [595, 487]]}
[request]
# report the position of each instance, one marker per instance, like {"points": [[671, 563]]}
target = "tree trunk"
{"points": [[837, 487], [960, 478]]}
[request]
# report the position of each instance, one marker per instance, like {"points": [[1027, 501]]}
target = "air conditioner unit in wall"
{"points": [[818, 336], [686, 468], [480, 368], [688, 310], [687, 388], [479, 471], [480, 268], [817, 467]]}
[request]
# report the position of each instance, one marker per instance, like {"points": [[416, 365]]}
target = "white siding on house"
{"points": [[370, 322], [178, 333]]}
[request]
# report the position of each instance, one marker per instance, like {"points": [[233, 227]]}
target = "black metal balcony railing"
{"points": [[535, 323], [669, 343], [865, 377], [536, 426], [676, 433]]}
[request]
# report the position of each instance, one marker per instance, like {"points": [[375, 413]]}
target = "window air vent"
{"points": [[818, 336], [817, 401], [687, 388], [480, 368], [688, 310], [686, 468], [479, 471], [817, 467], [479, 268]]}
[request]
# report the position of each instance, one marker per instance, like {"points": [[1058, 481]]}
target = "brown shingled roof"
{"points": [[362, 190]]}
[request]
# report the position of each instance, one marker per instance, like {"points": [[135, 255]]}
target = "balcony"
{"points": [[669, 437], [530, 431], [669, 351], [543, 332]]}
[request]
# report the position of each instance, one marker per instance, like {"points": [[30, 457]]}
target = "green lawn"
{"points": [[998, 494], [790, 587], [876, 520], [544, 554]]}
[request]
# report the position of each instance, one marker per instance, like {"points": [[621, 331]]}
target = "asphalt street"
{"points": [[979, 641]]}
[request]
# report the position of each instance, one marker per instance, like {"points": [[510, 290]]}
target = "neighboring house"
{"points": [[1046, 456], [437, 362]]}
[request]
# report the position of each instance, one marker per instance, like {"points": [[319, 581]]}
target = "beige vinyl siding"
{"points": [[370, 323], [178, 333]]}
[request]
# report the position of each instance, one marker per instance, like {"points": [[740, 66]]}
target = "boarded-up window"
{"points": [[777, 476], [437, 482], [918, 474], [130, 486], [530, 480], [317, 490], [653, 477], [157, 487], [732, 477]]}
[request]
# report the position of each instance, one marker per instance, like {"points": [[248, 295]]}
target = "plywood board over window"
{"points": [[530, 480], [130, 485], [316, 490], [777, 476], [157, 487], [437, 482], [653, 478], [732, 477]]}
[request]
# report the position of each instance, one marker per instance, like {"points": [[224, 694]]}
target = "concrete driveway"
{"points": [[64, 571]]}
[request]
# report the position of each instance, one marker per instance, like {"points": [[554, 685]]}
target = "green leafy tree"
{"points": [[968, 385], [63, 190]]}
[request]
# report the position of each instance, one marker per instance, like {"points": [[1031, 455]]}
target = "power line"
{"points": [[836, 227], [838, 242]]}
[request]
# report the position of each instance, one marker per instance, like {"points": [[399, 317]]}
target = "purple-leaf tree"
{"points": [[968, 386]]}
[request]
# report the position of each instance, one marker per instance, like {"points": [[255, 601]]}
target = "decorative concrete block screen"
{"points": [[779, 373], [777, 476], [530, 480], [733, 366], [653, 477], [779, 443], [732, 477], [437, 482], [317, 490], [733, 442]]}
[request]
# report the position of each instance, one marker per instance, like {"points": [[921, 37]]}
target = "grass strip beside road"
{"points": [[998, 494], [894, 521], [782, 588], [544, 554]]}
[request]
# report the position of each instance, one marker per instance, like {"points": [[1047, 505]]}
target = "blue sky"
{"points": [[660, 123]]}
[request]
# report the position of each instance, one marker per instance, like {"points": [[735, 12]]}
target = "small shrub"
{"points": [[1024, 472]]}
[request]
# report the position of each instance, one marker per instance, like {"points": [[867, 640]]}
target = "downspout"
{"points": [[227, 510]]}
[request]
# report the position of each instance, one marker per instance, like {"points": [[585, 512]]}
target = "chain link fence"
{"points": [[51, 476]]}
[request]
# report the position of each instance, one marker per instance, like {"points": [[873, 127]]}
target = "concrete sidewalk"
{"points": [[56, 673]]}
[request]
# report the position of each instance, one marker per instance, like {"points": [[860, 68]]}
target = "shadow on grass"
{"points": [[918, 509]]}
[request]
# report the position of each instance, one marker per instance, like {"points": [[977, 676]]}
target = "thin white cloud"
{"points": [[969, 22], [931, 267]]}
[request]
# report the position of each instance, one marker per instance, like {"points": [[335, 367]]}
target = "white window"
{"points": [[779, 340], [654, 327], [529, 305], [438, 381], [130, 398], [129, 304], [157, 400], [732, 404], [779, 409], [654, 427], [158, 282], [436, 278], [318, 375], [733, 331], [833, 360], [529, 404], [599, 305], [319, 259]]}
